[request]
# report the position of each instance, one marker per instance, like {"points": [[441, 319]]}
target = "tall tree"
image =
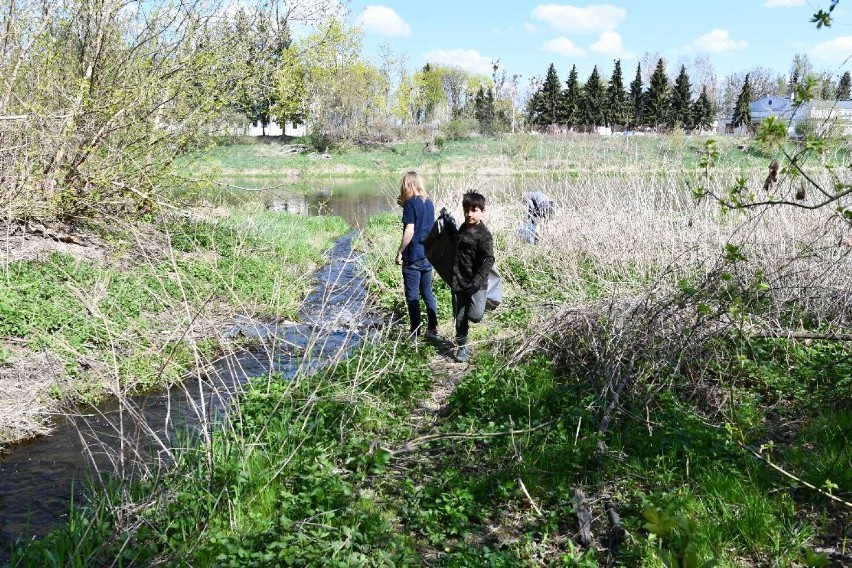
{"points": [[593, 100], [533, 103], [636, 98], [827, 87], [484, 110], [799, 69], [328, 54], [454, 81], [616, 98], [548, 101], [569, 107], [742, 111], [656, 107], [290, 96], [703, 76], [681, 107], [261, 50], [702, 111], [844, 86], [431, 83]]}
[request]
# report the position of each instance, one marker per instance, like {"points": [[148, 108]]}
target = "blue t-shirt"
{"points": [[420, 213]]}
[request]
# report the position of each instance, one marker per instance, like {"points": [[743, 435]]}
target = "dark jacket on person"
{"points": [[474, 257]]}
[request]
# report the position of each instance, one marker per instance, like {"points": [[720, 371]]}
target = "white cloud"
{"points": [[591, 19], [529, 27], [384, 21], [468, 59], [835, 51], [719, 40], [609, 43], [563, 46], [784, 3]]}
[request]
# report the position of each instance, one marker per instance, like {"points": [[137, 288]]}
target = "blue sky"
{"points": [[527, 36]]}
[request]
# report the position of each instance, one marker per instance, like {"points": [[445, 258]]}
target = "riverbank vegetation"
{"points": [[142, 305], [664, 383], [520, 154]]}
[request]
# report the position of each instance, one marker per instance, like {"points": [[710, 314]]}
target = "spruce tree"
{"points": [[827, 90], [681, 108], [616, 98], [844, 86], [636, 99], [800, 68], [742, 112], [702, 111], [570, 103], [593, 100], [794, 80], [484, 110], [532, 109], [548, 102], [656, 107]]}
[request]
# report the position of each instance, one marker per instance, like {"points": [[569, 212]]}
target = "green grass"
{"points": [[505, 155], [252, 261], [305, 474], [278, 488], [284, 486]]}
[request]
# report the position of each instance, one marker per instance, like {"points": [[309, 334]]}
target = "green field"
{"points": [[506, 155]]}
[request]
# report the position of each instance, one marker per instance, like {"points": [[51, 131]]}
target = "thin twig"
{"points": [[413, 444], [786, 473], [529, 497]]}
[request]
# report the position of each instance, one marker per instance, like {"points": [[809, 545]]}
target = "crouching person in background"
{"points": [[539, 210], [474, 259]]}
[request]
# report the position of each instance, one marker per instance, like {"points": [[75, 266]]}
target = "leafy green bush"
{"points": [[460, 128]]}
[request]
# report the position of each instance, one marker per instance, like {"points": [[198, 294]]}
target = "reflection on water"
{"points": [[354, 200]]}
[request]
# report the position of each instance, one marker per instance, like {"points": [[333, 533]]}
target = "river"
{"points": [[39, 479]]}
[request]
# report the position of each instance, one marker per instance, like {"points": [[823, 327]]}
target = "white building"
{"points": [[824, 115], [273, 129]]}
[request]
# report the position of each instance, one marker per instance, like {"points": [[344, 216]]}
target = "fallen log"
{"points": [[617, 532], [584, 517]]}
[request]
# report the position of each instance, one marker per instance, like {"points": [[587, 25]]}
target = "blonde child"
{"points": [[418, 216]]}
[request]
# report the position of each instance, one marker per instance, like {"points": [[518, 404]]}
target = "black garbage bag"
{"points": [[440, 245]]}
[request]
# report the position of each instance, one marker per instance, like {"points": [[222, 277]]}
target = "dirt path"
{"points": [[447, 374]]}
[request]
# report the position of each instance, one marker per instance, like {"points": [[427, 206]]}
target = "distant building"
{"points": [[273, 129], [818, 115]]}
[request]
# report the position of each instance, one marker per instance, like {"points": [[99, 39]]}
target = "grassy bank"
{"points": [[627, 372], [505, 155], [139, 306]]}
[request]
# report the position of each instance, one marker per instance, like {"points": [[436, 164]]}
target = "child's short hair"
{"points": [[473, 199]]}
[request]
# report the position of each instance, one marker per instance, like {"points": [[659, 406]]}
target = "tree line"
{"points": [[324, 80], [600, 103], [99, 99], [659, 104]]}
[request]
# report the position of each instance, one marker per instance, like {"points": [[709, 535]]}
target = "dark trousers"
{"points": [[467, 308], [417, 279]]}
